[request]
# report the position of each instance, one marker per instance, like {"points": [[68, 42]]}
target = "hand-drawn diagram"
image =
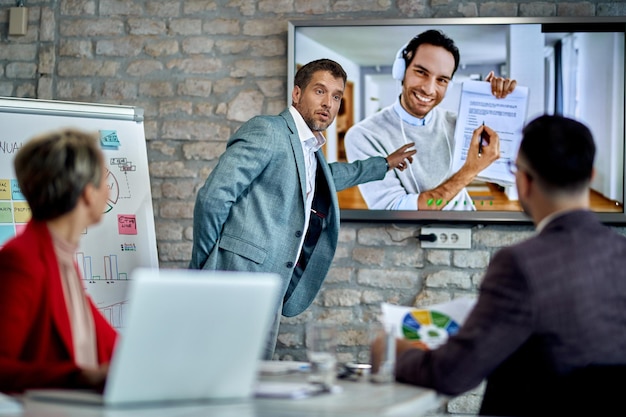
{"points": [[125, 237]]}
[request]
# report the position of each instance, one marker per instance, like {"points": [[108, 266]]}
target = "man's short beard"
{"points": [[315, 126]]}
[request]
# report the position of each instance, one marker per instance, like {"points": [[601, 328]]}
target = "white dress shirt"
{"points": [[311, 143]]}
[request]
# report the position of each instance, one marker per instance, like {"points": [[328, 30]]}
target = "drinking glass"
{"points": [[321, 348]]}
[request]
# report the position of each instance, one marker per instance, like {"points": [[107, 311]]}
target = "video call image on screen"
{"points": [[569, 67]]}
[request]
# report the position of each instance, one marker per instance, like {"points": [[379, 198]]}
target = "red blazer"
{"points": [[36, 347]]}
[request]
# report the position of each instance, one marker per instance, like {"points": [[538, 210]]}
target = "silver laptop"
{"points": [[189, 335]]}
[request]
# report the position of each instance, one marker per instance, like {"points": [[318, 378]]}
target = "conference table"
{"points": [[352, 398]]}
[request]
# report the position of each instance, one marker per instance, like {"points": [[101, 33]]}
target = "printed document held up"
{"points": [[506, 116]]}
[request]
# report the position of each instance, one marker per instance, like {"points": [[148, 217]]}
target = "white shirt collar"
{"points": [[305, 133]]}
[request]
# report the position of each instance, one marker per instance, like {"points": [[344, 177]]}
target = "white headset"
{"points": [[399, 64]]}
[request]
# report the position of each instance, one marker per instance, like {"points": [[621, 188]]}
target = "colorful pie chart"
{"points": [[429, 327]]}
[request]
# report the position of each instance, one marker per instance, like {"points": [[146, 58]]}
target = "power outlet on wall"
{"points": [[447, 237]]}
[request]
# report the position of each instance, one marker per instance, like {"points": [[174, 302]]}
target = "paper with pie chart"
{"points": [[430, 326]]}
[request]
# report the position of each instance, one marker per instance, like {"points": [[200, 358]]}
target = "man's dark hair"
{"points": [[304, 74], [435, 38], [560, 152]]}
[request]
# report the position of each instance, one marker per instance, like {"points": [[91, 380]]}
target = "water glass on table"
{"points": [[321, 348], [384, 369]]}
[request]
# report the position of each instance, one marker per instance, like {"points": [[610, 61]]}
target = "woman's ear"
{"points": [[88, 194]]}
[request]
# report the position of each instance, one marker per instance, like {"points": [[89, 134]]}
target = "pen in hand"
{"points": [[480, 142]]}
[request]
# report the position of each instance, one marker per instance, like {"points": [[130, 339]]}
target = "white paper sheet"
{"points": [[429, 325], [506, 116]]}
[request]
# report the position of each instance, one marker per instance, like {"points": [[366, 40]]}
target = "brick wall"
{"points": [[200, 68]]}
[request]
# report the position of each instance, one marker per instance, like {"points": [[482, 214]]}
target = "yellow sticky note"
{"points": [[21, 212], [5, 189]]}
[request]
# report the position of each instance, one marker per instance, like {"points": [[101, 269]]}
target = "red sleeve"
{"points": [[32, 353], [17, 376]]}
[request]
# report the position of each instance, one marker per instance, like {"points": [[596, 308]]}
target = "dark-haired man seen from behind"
{"points": [[548, 331], [425, 66], [270, 204]]}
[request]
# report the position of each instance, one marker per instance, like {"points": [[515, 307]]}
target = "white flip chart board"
{"points": [[125, 238]]}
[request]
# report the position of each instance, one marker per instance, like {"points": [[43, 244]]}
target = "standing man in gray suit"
{"points": [[270, 204], [548, 331]]}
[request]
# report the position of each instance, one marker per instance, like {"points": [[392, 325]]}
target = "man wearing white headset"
{"points": [[425, 66]]}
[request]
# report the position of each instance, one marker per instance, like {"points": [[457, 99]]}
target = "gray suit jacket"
{"points": [[547, 306], [249, 215]]}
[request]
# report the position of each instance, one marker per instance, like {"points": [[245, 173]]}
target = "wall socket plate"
{"points": [[448, 237]]}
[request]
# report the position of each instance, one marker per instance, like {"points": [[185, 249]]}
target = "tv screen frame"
{"points": [[337, 40]]}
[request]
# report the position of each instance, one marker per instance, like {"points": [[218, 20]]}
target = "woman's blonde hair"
{"points": [[53, 169]]}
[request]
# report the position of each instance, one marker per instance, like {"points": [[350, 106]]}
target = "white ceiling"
{"points": [[377, 45]]}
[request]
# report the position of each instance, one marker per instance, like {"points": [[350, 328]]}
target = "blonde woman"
{"points": [[52, 333]]}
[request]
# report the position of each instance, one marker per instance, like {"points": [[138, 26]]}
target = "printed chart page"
{"points": [[506, 116], [429, 326]]}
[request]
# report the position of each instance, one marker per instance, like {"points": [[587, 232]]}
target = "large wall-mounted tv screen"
{"points": [[569, 66]]}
